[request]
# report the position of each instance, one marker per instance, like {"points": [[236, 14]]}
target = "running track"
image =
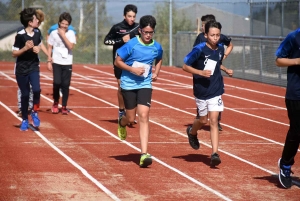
{"points": [[79, 156]]}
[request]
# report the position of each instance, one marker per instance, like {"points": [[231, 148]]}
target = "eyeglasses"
{"points": [[147, 32]]}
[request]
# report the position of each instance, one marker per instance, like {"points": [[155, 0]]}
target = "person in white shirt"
{"points": [[60, 44]]}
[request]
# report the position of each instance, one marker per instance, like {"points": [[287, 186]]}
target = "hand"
{"points": [[126, 38], [154, 76], [36, 49], [29, 44], [138, 71], [61, 32], [205, 73], [49, 66], [229, 72]]}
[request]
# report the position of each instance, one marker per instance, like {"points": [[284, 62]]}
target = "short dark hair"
{"points": [[212, 24], [130, 7], [26, 16], [208, 17], [65, 16], [147, 20]]}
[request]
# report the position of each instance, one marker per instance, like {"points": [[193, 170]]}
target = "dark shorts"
{"points": [[117, 72], [137, 96]]}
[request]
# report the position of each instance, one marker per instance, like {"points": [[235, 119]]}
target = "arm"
{"points": [[227, 71], [111, 38], [121, 64], [228, 50], [44, 49], [285, 62], [189, 69], [49, 60], [157, 69], [28, 45], [68, 44]]}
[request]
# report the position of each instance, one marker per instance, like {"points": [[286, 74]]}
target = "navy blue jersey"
{"points": [[201, 38], [206, 88], [290, 48], [28, 61]]}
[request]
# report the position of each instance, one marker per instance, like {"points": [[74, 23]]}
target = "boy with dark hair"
{"points": [[204, 62], [136, 58], [223, 40], [26, 49], [288, 55], [62, 41], [118, 35]]}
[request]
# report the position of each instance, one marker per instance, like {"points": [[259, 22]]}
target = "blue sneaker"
{"points": [[35, 119], [284, 175], [24, 125]]}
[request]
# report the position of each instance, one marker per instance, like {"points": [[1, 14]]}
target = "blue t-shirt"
{"points": [[136, 50], [55, 26], [206, 88], [290, 48]]}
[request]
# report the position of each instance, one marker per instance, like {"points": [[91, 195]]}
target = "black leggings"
{"points": [[293, 136], [61, 80]]}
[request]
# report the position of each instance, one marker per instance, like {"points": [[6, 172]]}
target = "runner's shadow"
{"points": [[115, 121], [274, 180], [134, 157], [30, 126], [196, 158]]}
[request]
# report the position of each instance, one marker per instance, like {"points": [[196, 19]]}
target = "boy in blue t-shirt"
{"points": [[136, 58], [288, 55], [26, 48], [204, 62]]}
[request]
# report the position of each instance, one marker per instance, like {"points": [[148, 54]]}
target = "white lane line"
{"points": [[134, 147], [83, 171], [241, 88]]}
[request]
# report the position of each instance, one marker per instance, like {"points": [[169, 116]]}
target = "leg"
{"points": [[118, 73], [66, 75], [19, 102], [215, 105], [34, 78], [56, 86], [219, 119], [31, 99], [291, 143], [23, 83]]}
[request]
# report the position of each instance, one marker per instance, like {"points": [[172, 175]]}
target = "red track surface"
{"points": [[79, 156]]}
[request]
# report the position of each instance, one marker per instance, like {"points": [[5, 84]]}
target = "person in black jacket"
{"points": [[118, 35]]}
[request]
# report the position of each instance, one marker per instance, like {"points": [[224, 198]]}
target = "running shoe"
{"points": [[193, 139], [284, 176], [145, 160], [122, 133], [35, 119], [64, 110], [24, 125], [54, 108], [215, 159]]}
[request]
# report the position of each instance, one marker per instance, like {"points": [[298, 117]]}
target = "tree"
{"points": [[179, 21]]}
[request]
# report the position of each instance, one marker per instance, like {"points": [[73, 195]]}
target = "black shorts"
{"points": [[137, 96], [117, 72]]}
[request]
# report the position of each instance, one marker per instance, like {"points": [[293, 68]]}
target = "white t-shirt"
{"points": [[61, 54]]}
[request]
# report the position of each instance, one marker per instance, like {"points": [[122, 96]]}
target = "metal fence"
{"points": [[252, 57], [92, 20]]}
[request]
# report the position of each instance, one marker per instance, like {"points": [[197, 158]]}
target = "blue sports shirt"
{"points": [[290, 48], [206, 88], [55, 26], [136, 50]]}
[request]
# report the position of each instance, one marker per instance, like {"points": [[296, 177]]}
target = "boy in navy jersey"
{"points": [[204, 62], [223, 40], [136, 58], [26, 49], [118, 35], [288, 55]]}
